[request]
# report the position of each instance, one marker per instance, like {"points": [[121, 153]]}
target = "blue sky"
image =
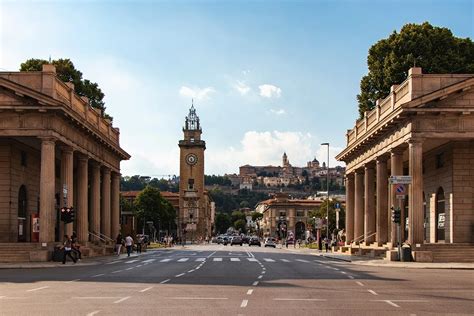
{"points": [[266, 76]]}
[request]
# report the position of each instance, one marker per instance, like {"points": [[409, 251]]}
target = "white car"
{"points": [[270, 242]]}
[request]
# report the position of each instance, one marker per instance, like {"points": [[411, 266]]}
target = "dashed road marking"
{"points": [[299, 299], [149, 260], [372, 292], [179, 275], [117, 271], [37, 289], [244, 303], [200, 259], [98, 275], [165, 281], [268, 260], [148, 288], [192, 270], [197, 298], [75, 280], [255, 283], [131, 261], [301, 260], [183, 259], [234, 259], [121, 300], [217, 259], [129, 268], [93, 313], [165, 260], [350, 277], [285, 260], [249, 292], [260, 276], [113, 262], [252, 259], [360, 283]]}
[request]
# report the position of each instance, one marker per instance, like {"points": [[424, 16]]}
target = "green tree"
{"points": [[151, 206], [241, 225], [256, 216], [237, 215], [66, 72], [435, 49], [222, 222], [321, 213]]}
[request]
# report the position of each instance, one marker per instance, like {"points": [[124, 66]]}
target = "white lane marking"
{"points": [[179, 275], [75, 280], [113, 262], [198, 298], [165, 260], [144, 290], [255, 283], [372, 292], [165, 281], [335, 269], [268, 260], [129, 268], [343, 272], [95, 297], [299, 299], [183, 259], [192, 270], [138, 266], [131, 261], [37, 289], [98, 275], [301, 260], [93, 313], [149, 260], [249, 292], [285, 260], [252, 259], [234, 259], [391, 303], [263, 272], [117, 271], [244, 303], [200, 259], [260, 276], [360, 283], [217, 259], [350, 277], [121, 300]]}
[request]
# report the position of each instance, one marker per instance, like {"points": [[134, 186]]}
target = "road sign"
{"points": [[399, 179], [337, 206], [400, 189]]}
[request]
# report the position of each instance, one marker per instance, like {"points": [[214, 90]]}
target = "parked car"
{"points": [[270, 242], [290, 241], [236, 240], [245, 239], [225, 240], [254, 241]]}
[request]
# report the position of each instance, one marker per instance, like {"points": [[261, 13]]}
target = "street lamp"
{"points": [[327, 187]]}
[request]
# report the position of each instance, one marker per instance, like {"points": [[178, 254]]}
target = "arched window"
{"points": [[440, 215]]}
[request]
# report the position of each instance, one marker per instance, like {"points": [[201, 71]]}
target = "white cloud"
{"points": [[269, 91], [242, 87], [196, 93], [245, 72], [278, 112]]}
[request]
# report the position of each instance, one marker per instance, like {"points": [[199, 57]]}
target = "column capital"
{"points": [[66, 149], [397, 151], [82, 158], [48, 139], [349, 175], [382, 158], [106, 170], [116, 174], [415, 140], [369, 165]]}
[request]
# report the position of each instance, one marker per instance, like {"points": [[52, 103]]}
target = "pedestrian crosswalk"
{"points": [[227, 259]]}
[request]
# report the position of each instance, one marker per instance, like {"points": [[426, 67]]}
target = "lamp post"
{"points": [[327, 188]]}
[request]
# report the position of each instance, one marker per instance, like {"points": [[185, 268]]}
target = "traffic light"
{"points": [[72, 214], [63, 214], [395, 215]]}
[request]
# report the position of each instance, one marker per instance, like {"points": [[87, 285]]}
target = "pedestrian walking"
{"points": [[67, 247], [139, 243], [118, 244], [75, 246], [326, 243], [129, 244]]}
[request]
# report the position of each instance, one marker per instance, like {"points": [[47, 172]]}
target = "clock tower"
{"points": [[194, 211]]}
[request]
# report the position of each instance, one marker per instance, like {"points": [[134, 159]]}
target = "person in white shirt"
{"points": [[129, 244]]}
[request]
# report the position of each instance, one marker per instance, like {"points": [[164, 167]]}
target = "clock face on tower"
{"points": [[191, 159]]}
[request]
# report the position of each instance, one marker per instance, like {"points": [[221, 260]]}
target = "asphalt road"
{"points": [[224, 280]]}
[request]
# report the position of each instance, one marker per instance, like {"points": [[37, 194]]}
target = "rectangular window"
{"points": [[440, 160], [190, 184], [23, 158], [300, 213], [282, 213]]}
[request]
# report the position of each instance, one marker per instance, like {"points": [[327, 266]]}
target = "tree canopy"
{"points": [[434, 49], [321, 213], [66, 72], [151, 206]]}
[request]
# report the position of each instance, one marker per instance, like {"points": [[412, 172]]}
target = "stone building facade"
{"points": [[283, 211], [424, 129], [55, 151]]}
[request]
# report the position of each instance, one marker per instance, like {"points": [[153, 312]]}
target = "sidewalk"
{"points": [[366, 261], [84, 262]]}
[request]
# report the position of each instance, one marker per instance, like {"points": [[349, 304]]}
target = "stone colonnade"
{"points": [[104, 195], [369, 197]]}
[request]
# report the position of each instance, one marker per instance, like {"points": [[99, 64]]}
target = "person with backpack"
{"points": [[67, 247]]}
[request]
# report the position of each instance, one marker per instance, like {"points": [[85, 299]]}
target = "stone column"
{"points": [[369, 203], [349, 207], [115, 205], [47, 188], [95, 198], [359, 204], [396, 166], [382, 201], [105, 203], [415, 202], [67, 172], [82, 207]]}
